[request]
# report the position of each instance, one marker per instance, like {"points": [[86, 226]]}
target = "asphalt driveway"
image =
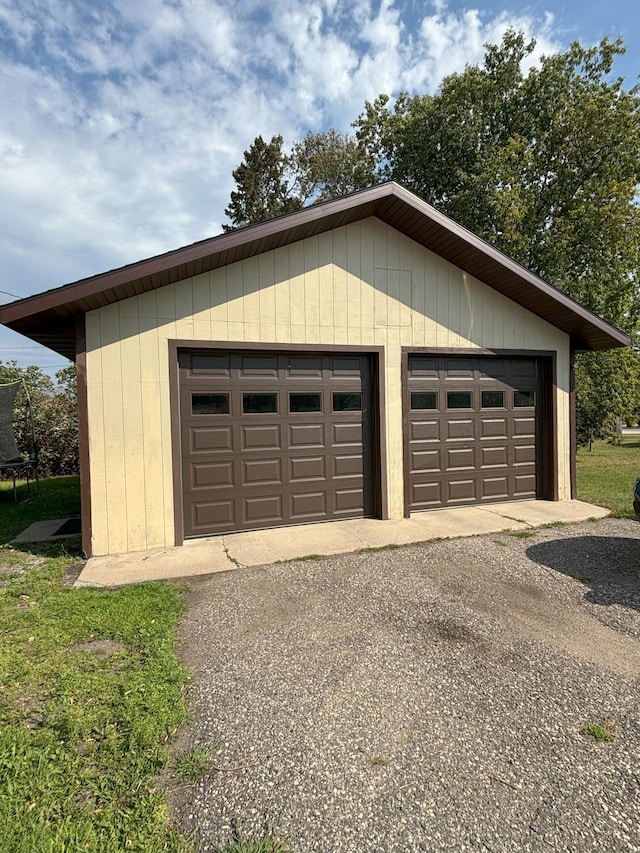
{"points": [[426, 698]]}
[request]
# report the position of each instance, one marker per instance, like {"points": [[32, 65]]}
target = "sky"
{"points": [[122, 120]]}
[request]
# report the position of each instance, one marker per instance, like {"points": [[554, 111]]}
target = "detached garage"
{"points": [[363, 357]]}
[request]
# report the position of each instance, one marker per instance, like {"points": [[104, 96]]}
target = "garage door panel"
{"points": [[459, 490], [295, 443], [262, 471], [493, 428], [346, 433], [459, 429], [259, 365], [493, 457], [347, 465], [307, 468], [213, 515], [262, 509], [493, 370], [481, 427], [525, 484], [495, 488], [214, 474], [425, 460], [524, 426], [524, 454], [304, 366], [348, 500], [459, 458], [306, 435], [210, 364], [524, 369], [205, 439], [425, 367], [345, 367], [308, 505], [425, 430], [459, 368], [265, 437], [427, 494]]}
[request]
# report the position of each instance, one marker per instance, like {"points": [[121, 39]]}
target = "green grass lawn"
{"points": [[606, 475], [91, 695]]}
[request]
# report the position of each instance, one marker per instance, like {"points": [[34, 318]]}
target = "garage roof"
{"points": [[50, 318]]}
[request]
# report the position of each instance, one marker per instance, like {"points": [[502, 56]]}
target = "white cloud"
{"points": [[122, 121], [383, 31], [14, 21]]}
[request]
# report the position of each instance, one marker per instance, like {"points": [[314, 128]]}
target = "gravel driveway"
{"points": [[428, 698]]}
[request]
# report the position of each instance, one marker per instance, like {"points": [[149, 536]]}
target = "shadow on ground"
{"points": [[68, 547], [610, 566]]}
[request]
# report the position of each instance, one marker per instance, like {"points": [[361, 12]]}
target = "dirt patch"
{"points": [[72, 573], [16, 562], [102, 649], [537, 611]]}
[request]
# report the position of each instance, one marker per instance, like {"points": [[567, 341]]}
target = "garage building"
{"points": [[363, 357]]}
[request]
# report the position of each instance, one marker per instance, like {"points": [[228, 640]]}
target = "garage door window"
{"points": [[259, 404], [493, 399], [458, 399], [343, 402], [524, 399], [304, 403], [209, 404], [424, 400]]}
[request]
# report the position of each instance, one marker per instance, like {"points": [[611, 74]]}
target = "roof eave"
{"points": [[34, 316]]}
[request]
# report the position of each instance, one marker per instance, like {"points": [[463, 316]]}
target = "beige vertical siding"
{"points": [[361, 285]]}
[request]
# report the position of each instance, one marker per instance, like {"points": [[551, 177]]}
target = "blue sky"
{"points": [[122, 120]]}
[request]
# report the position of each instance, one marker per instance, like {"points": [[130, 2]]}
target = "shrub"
{"points": [[55, 417]]}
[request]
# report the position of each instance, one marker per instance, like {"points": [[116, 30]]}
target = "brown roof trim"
{"points": [[49, 318]]}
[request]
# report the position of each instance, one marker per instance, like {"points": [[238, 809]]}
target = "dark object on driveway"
{"points": [[636, 499]]}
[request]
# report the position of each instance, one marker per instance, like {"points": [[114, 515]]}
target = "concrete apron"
{"points": [[261, 547]]}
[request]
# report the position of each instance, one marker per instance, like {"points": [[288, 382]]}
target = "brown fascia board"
{"points": [[48, 317]]}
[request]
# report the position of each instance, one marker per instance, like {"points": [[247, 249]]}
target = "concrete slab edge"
{"points": [[262, 548]]}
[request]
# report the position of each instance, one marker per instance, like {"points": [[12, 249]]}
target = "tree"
{"points": [[331, 164], [544, 165], [55, 416], [265, 183], [607, 389], [270, 182], [59, 440]]}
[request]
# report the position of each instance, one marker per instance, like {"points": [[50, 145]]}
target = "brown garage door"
{"points": [[271, 439], [473, 430]]}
